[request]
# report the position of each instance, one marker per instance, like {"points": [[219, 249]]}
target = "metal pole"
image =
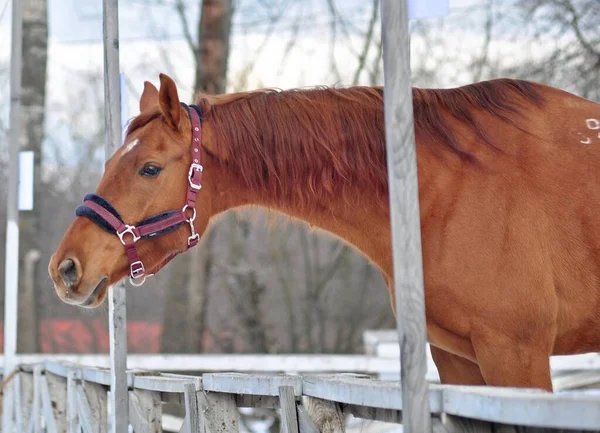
{"points": [[404, 210], [119, 400], [11, 282]]}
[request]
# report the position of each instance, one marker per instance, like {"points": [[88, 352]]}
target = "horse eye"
{"points": [[150, 170]]}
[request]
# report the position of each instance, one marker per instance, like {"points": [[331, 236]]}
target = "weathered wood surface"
{"points": [[145, 411], [305, 423], [117, 310], [326, 415], [26, 398], [72, 413], [97, 405], [469, 408], [255, 384], [289, 417], [117, 315], [374, 413], [218, 412], [404, 211], [523, 407], [363, 392], [191, 423]]}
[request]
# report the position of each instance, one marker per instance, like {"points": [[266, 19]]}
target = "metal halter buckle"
{"points": [[137, 272], [128, 229], [194, 167]]}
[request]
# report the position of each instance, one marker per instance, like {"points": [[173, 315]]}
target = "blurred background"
{"points": [[259, 283]]}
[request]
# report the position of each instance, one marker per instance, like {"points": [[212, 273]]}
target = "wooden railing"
{"points": [[61, 397]]}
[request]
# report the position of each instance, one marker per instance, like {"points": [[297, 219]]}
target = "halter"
{"points": [[101, 212]]}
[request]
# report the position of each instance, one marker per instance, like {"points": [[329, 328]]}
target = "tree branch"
{"points": [[368, 38]]}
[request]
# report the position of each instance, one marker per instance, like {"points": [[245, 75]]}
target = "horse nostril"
{"points": [[68, 272]]}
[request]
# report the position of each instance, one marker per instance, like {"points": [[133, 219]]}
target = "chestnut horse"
{"points": [[509, 184]]}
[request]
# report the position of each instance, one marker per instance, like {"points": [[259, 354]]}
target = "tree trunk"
{"points": [[214, 29], [190, 272], [35, 55]]}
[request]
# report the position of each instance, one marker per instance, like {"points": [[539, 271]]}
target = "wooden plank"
{"points": [[192, 415], [116, 294], [264, 401], [17, 397], [170, 383], [326, 415], [241, 400], [454, 424], [96, 399], [219, 413], [36, 411], [11, 257], [27, 396], [256, 384], [305, 424], [47, 406], [404, 211], [145, 411], [374, 413], [118, 350], [72, 417], [374, 393], [84, 412], [287, 402], [523, 407]]}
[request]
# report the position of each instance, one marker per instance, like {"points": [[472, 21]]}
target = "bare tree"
{"points": [[187, 297]]}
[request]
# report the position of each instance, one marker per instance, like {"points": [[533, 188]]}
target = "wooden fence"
{"points": [[57, 397]]}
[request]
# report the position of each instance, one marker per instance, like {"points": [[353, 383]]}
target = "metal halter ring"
{"points": [[128, 229], [193, 217]]}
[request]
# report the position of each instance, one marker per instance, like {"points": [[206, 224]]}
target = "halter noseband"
{"points": [[101, 212]]}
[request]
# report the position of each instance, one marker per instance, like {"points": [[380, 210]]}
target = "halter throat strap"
{"points": [[101, 212]]}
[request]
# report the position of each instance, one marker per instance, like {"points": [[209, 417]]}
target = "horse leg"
{"points": [[455, 370], [506, 361]]}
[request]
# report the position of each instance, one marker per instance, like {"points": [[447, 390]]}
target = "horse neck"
{"points": [[353, 207]]}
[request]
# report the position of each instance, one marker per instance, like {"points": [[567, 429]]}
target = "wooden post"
{"points": [[404, 210], [117, 301], [11, 280], [287, 403]]}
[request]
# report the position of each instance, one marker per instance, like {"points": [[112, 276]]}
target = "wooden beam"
{"points": [[326, 415], [289, 417], [219, 413], [253, 384], [404, 211], [116, 294], [145, 411]]}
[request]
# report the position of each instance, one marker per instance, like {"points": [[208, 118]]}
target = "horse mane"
{"points": [[301, 144]]}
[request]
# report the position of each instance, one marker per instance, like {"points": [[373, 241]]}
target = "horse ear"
{"points": [[169, 101], [149, 96]]}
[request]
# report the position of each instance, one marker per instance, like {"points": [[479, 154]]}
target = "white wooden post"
{"points": [[404, 210], [11, 281], [119, 400]]}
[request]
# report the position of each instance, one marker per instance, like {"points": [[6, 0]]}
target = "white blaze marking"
{"points": [[131, 145]]}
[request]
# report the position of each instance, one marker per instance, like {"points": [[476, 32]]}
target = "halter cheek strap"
{"points": [[101, 212]]}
